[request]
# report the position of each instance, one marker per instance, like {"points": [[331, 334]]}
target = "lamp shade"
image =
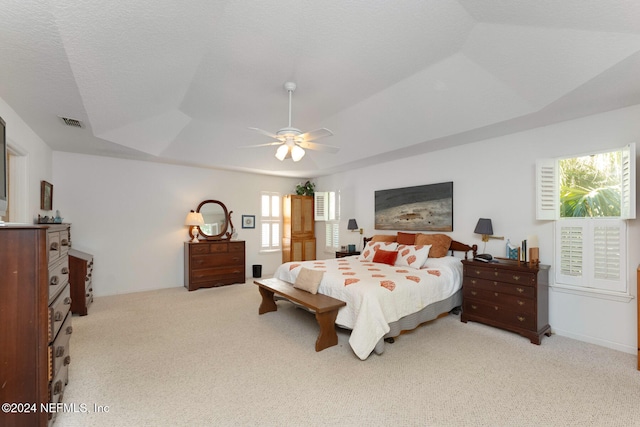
{"points": [[353, 225], [296, 153], [484, 227], [282, 152], [194, 218]]}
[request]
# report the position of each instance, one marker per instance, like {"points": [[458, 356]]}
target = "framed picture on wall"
{"points": [[248, 221], [46, 196]]}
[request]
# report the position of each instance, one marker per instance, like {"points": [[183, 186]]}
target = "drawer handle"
{"points": [[520, 302], [67, 360], [495, 273], [57, 316], [53, 246], [65, 242], [478, 272], [495, 307], [474, 293], [473, 281], [69, 330], [54, 280], [521, 318], [516, 278], [496, 294], [64, 270], [520, 290], [67, 301], [57, 388], [60, 351], [474, 306]]}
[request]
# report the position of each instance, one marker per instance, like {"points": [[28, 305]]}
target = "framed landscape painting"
{"points": [[420, 208]]}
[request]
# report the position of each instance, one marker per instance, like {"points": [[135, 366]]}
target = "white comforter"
{"points": [[378, 294]]}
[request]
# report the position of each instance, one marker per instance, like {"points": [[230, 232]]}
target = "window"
{"points": [[589, 197], [270, 221], [327, 208]]}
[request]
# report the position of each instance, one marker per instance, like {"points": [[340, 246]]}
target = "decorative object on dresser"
{"points": [[193, 221], [298, 234], [35, 320], [213, 263], [81, 281], [509, 295]]}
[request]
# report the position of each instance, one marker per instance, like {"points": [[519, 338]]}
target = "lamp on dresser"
{"points": [[194, 220]]}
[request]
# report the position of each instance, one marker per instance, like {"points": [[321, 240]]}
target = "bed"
{"points": [[386, 296]]}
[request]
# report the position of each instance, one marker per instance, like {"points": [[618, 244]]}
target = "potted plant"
{"points": [[305, 189]]}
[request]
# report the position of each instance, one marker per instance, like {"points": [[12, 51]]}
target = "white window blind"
{"points": [[547, 189]]}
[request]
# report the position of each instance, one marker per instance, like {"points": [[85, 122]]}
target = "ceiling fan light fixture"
{"points": [[297, 153], [281, 152]]}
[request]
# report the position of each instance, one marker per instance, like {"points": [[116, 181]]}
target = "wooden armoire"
{"points": [[298, 234]]}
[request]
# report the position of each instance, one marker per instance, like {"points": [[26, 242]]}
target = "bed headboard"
{"points": [[455, 247]]}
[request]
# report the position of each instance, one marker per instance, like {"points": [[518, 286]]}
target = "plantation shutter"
{"points": [[628, 184], [569, 259], [609, 241], [591, 253], [332, 236], [321, 205], [547, 197]]}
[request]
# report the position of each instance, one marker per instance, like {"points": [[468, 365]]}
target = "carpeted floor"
{"points": [[206, 358]]}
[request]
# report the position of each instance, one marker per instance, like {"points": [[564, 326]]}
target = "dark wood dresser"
{"points": [[80, 280], [35, 321], [213, 263], [508, 295]]}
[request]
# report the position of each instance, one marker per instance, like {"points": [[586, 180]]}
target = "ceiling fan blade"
{"points": [[264, 132], [316, 134], [268, 144], [318, 147]]}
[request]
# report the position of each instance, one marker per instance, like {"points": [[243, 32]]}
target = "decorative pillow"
{"points": [[406, 238], [372, 247], [383, 238], [308, 280], [412, 256], [439, 243], [385, 257]]}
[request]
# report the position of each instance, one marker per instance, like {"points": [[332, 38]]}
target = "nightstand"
{"points": [[508, 295], [342, 254]]}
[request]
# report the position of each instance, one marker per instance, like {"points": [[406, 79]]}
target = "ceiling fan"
{"points": [[292, 141]]}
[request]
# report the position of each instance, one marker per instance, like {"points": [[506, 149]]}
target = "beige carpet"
{"points": [[206, 358]]}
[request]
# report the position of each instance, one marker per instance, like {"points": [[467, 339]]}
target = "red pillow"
{"points": [[406, 238], [385, 257]]}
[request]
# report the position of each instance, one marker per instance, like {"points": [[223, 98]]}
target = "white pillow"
{"points": [[372, 247], [413, 256]]}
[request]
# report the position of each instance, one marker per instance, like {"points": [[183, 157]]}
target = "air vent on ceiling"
{"points": [[71, 122]]}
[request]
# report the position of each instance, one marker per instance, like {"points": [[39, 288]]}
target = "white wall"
{"points": [[130, 215], [35, 161], [495, 179]]}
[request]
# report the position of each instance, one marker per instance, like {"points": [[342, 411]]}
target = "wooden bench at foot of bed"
{"points": [[325, 307]]}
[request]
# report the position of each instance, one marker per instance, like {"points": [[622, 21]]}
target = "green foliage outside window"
{"points": [[590, 186]]}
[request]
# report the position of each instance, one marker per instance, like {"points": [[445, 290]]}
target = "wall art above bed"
{"points": [[419, 208]]}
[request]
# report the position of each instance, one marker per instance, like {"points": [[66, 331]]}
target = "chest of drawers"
{"points": [[213, 263], [81, 281], [35, 319], [508, 295]]}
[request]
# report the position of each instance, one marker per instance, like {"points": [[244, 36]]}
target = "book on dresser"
{"points": [[507, 294], [35, 321]]}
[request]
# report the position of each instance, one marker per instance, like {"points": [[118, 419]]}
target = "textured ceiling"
{"points": [[182, 82]]}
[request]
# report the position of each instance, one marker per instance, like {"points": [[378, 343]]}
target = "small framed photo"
{"points": [[248, 221], [46, 196]]}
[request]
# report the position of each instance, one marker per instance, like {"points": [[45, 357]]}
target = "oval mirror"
{"points": [[216, 220]]}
